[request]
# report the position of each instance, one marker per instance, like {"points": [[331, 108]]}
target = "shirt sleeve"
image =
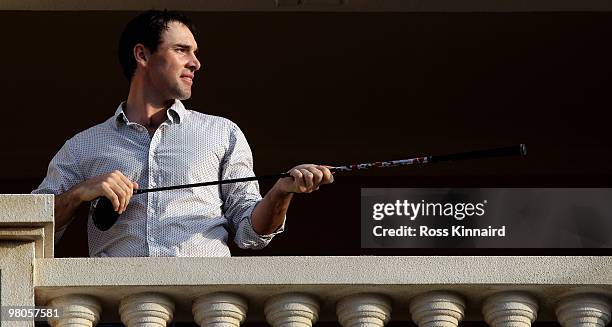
{"points": [[62, 174], [239, 199]]}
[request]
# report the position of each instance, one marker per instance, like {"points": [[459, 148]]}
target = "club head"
{"points": [[104, 215]]}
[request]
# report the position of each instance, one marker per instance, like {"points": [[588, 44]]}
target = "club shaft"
{"points": [[516, 150], [225, 181]]}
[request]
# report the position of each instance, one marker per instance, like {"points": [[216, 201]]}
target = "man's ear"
{"points": [[141, 54]]}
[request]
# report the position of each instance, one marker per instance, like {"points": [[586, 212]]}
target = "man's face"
{"points": [[170, 70]]}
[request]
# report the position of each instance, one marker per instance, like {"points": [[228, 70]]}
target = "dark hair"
{"points": [[146, 29]]}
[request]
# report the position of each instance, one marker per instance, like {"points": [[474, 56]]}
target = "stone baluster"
{"points": [[146, 310], [371, 310], [437, 309], [510, 309], [219, 310], [75, 310], [584, 310], [292, 310]]}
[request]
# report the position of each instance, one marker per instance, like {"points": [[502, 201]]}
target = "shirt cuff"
{"points": [[248, 238], [279, 230]]}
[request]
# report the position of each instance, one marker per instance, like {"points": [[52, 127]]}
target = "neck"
{"points": [[145, 107]]}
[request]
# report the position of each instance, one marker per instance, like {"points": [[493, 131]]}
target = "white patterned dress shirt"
{"points": [[189, 147]]}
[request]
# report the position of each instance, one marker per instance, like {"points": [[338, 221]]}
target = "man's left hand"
{"points": [[305, 179]]}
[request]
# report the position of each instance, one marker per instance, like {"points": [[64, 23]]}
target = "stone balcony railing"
{"points": [[291, 291]]}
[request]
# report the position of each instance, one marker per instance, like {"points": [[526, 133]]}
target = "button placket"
{"points": [[154, 197], [151, 201]]}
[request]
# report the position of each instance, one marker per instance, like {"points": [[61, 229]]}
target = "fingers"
{"points": [[110, 194], [316, 178], [124, 189], [328, 176], [116, 187], [299, 182], [118, 192], [308, 178], [126, 182], [126, 192]]}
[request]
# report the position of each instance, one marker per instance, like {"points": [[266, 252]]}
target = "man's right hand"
{"points": [[114, 186]]}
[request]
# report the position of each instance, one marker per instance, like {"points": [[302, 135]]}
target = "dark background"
{"points": [[338, 88]]}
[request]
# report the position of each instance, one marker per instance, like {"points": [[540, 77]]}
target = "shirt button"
{"points": [[151, 239]]}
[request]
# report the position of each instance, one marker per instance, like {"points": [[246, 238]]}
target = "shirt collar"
{"points": [[176, 113]]}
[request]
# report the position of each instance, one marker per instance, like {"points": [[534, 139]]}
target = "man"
{"points": [[151, 141]]}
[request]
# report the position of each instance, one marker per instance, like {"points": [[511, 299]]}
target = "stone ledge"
{"points": [[18, 209], [26, 234], [376, 270], [328, 278], [28, 217]]}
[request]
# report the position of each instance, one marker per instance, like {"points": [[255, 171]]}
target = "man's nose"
{"points": [[194, 63]]}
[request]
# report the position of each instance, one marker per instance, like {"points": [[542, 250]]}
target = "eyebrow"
{"points": [[185, 46]]}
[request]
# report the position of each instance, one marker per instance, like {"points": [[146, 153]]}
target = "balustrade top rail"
{"points": [[328, 278]]}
